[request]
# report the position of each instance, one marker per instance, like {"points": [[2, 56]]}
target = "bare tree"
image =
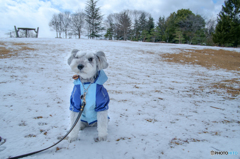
{"points": [[60, 25], [136, 14], [77, 24], [209, 30], [134, 17], [109, 25], [117, 30], [191, 25], [113, 26], [124, 23], [11, 33], [66, 21], [54, 24], [210, 26]]}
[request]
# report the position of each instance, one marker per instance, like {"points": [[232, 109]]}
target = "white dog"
{"points": [[89, 68]]}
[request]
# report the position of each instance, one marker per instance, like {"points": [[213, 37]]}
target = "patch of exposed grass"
{"points": [[8, 51], [146, 52], [19, 44], [178, 141], [5, 53], [213, 133], [231, 86], [227, 121], [123, 138], [29, 135], [209, 58]]}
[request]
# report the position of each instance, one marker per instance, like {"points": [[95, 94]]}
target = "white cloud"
{"points": [[159, 8], [69, 5], [37, 13]]}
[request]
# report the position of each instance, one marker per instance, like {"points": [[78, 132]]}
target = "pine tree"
{"points": [[179, 36], [222, 33], [149, 27], [109, 34], [228, 27], [142, 22], [93, 18], [170, 29], [161, 28], [153, 34], [150, 24], [144, 35], [136, 30]]}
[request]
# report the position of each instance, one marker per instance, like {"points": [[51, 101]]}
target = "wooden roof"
{"points": [[27, 28]]}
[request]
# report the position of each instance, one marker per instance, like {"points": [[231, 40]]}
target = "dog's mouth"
{"points": [[82, 71]]}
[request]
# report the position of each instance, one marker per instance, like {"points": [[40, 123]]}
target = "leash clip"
{"points": [[83, 97]]}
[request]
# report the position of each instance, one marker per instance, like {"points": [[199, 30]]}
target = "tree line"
{"points": [[89, 21], [182, 26]]}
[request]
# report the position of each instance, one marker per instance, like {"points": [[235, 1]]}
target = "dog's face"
{"points": [[86, 64]]}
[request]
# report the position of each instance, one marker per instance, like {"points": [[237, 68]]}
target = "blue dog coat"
{"points": [[97, 98]]}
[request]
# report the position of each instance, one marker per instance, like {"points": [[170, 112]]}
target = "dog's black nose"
{"points": [[80, 66]]}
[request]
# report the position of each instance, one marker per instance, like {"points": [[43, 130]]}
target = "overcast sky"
{"points": [[37, 13]]}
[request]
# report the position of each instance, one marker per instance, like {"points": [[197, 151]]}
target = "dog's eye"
{"points": [[90, 59]]}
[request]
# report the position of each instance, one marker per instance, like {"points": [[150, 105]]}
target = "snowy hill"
{"points": [[157, 108]]}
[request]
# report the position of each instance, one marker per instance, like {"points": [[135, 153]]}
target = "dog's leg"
{"points": [[74, 133], [82, 125], [102, 125]]}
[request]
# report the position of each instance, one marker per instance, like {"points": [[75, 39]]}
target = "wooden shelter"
{"points": [[26, 31]]}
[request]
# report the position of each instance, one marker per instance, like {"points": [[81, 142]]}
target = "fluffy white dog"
{"points": [[89, 80]]}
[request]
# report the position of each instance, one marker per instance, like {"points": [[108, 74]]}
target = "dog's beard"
{"points": [[88, 72], [88, 75]]}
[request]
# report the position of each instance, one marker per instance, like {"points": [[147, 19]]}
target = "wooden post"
{"points": [[37, 32], [17, 36]]}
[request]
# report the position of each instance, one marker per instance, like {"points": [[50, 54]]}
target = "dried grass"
{"points": [[5, 53], [209, 58], [214, 59], [19, 44], [8, 52], [146, 52], [231, 86], [178, 141]]}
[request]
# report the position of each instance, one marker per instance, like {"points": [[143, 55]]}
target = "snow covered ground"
{"points": [[157, 109]]}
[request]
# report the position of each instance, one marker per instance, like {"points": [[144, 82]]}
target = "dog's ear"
{"points": [[101, 60], [74, 51], [73, 54]]}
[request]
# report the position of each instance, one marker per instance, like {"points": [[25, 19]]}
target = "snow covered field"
{"points": [[157, 109]]}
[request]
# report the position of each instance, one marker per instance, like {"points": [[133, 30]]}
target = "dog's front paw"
{"points": [[100, 138], [72, 138]]}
